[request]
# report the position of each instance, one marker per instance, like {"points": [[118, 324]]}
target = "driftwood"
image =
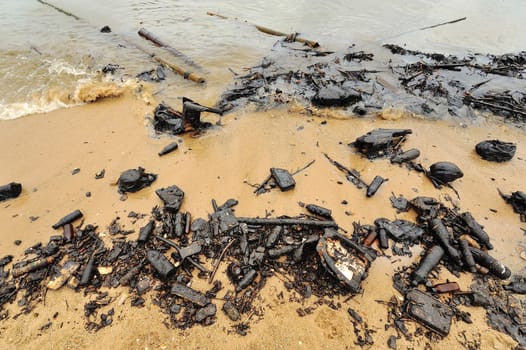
{"points": [[276, 221], [159, 42], [291, 37]]}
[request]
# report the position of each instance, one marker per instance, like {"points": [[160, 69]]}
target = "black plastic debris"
{"points": [[283, 178], [155, 75], [11, 190], [133, 180], [169, 148], [172, 197], [445, 172], [168, 120], [146, 231], [399, 203], [517, 200], [192, 113], [161, 264], [75, 215], [105, 29], [380, 142], [344, 258], [400, 230], [428, 311], [495, 150]]}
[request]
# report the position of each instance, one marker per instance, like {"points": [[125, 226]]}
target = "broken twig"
{"points": [[276, 221], [219, 259]]}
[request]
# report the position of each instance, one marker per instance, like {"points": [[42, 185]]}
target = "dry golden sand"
{"points": [[40, 151]]}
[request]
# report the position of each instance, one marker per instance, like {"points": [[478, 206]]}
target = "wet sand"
{"points": [[40, 151]]}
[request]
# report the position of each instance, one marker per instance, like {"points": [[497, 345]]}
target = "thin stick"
{"points": [[443, 24], [59, 9], [305, 167], [350, 172], [269, 31], [211, 279], [276, 221], [260, 187]]}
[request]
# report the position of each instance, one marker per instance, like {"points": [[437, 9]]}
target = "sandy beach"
{"points": [[40, 151]]}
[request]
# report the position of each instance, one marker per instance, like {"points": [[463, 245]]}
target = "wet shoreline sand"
{"points": [[40, 151]]}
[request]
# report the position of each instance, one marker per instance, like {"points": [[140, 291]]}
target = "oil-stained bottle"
{"points": [[428, 262], [32, 266]]}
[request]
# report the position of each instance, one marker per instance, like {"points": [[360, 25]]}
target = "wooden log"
{"points": [[159, 42], [187, 75]]}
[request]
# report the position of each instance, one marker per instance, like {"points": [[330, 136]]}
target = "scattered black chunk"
{"points": [[207, 311], [495, 150], [399, 203], [161, 264], [172, 197], [187, 293], [105, 29], [231, 311], [517, 200], [380, 142], [11, 190], [133, 180]]}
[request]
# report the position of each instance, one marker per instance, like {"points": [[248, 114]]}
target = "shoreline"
{"points": [[112, 135]]}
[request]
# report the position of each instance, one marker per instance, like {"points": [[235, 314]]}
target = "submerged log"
{"points": [[187, 75], [159, 42]]}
